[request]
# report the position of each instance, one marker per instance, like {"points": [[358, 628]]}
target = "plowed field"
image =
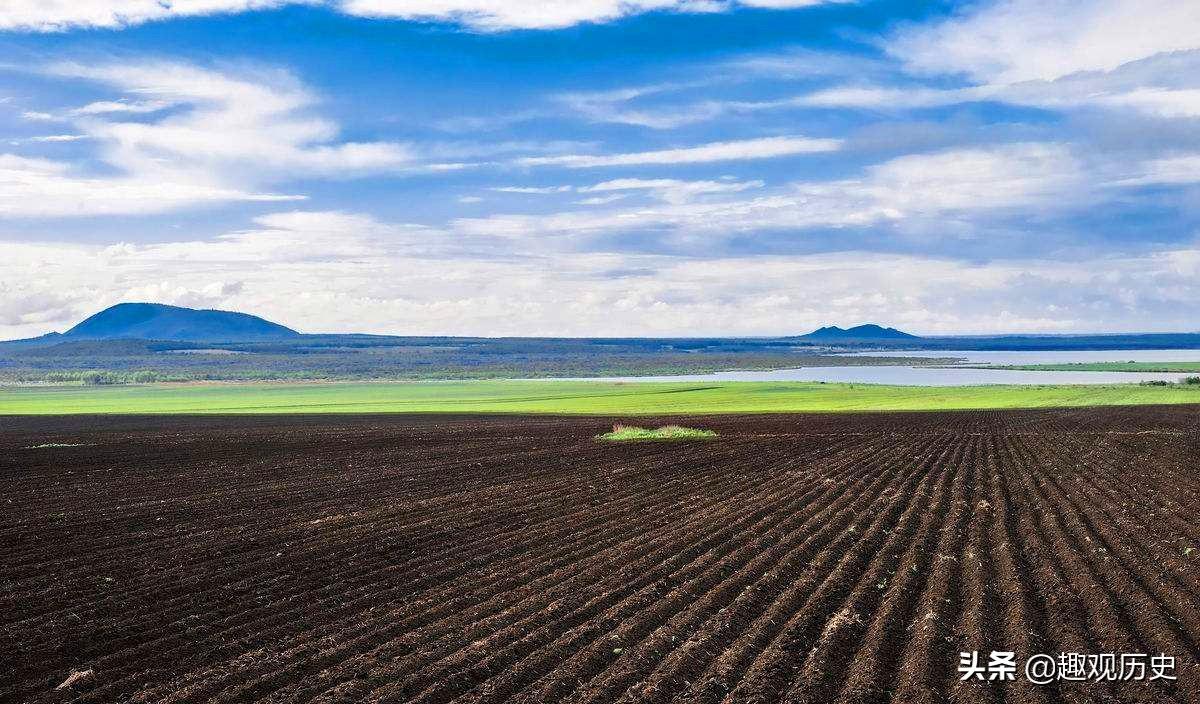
{"points": [[818, 558]]}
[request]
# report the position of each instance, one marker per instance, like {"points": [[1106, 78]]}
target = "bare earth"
{"points": [[814, 558]]}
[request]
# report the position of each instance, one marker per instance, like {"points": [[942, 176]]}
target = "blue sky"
{"points": [[655, 167]]}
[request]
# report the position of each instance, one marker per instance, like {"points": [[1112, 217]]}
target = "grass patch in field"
{"points": [[1165, 367], [625, 433], [569, 397]]}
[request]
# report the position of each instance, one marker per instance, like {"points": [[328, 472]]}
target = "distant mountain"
{"points": [[49, 338], [860, 332], [155, 321]]}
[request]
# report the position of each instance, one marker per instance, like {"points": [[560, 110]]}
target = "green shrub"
{"points": [[622, 433]]}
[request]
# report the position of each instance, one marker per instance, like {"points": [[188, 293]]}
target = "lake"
{"points": [[1046, 357], [958, 376]]}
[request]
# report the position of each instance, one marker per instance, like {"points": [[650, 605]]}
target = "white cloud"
{"points": [[763, 148], [613, 106], [383, 278], [800, 62], [602, 200], [59, 15], [1012, 175], [666, 189], [499, 15], [787, 4], [620, 105], [256, 121], [963, 183], [1171, 170], [1160, 102], [599, 108], [42, 188], [486, 15], [514, 14], [889, 98], [58, 138], [532, 190], [221, 136], [1161, 86], [672, 190], [1020, 40], [102, 107]]}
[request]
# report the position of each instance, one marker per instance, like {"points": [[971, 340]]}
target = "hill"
{"points": [[861, 332], [155, 321]]}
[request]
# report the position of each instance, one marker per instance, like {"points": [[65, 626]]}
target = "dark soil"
{"points": [[802, 558]]}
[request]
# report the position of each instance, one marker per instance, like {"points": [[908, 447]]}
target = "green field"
{"points": [[1183, 367], [571, 397]]}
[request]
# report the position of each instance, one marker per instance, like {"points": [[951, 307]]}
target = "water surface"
{"points": [[899, 375], [1044, 356]]}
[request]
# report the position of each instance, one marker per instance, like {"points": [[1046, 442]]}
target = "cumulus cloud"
{"points": [[588, 258], [298, 236], [1010, 175], [1018, 40], [201, 136], [1161, 86], [259, 120], [379, 277], [1122, 54], [968, 182]]}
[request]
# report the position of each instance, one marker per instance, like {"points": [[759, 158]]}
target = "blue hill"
{"points": [[860, 332], [155, 321]]}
